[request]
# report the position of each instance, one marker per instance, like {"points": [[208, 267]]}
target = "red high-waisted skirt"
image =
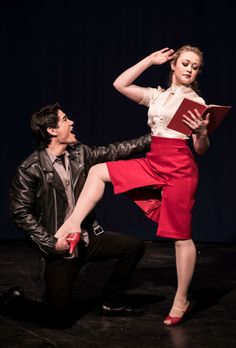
{"points": [[162, 184]]}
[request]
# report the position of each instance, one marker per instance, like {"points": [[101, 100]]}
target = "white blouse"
{"points": [[161, 110]]}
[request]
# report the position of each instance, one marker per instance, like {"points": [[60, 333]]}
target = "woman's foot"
{"points": [[177, 315], [73, 239]]}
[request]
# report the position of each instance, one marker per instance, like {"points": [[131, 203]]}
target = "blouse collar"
{"points": [[176, 89]]}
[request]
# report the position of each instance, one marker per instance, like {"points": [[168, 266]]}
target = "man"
{"points": [[43, 194]]}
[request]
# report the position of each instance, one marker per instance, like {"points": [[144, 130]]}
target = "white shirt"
{"points": [[161, 110]]}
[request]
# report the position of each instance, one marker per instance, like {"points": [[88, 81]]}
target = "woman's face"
{"points": [[186, 68]]}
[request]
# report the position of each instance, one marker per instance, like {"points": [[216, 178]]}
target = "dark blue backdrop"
{"points": [[71, 52]]}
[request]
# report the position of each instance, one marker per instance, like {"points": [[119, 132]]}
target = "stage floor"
{"points": [[211, 324]]}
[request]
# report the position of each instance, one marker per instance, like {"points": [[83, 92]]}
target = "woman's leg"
{"points": [[185, 262], [91, 193]]}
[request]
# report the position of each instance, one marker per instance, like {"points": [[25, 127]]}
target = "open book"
{"points": [[217, 114]]}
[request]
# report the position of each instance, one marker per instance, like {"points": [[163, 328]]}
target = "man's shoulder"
{"points": [[77, 150], [31, 159], [75, 147]]}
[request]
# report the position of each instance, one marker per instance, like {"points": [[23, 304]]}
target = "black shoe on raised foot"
{"points": [[121, 311]]}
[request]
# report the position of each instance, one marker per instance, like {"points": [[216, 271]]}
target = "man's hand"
{"points": [[62, 244]]}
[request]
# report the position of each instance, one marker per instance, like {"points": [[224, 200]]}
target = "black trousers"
{"points": [[60, 274]]}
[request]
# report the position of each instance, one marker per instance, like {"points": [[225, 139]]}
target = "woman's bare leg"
{"points": [[91, 193], [185, 253]]}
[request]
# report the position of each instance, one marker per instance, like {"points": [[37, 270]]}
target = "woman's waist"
{"points": [[169, 141], [165, 132], [168, 149]]}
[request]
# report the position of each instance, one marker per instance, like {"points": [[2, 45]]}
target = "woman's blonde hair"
{"points": [[187, 48]]}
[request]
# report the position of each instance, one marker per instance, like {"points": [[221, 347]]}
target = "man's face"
{"points": [[64, 133]]}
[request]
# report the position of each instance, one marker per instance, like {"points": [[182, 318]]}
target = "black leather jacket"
{"points": [[37, 198]]}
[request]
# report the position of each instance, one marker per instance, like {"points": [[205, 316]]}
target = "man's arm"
{"points": [[23, 210], [118, 150]]}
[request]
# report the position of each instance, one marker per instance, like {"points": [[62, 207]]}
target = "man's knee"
{"points": [[137, 246]]}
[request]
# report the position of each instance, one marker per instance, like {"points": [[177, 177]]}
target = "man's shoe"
{"points": [[121, 311], [12, 294]]}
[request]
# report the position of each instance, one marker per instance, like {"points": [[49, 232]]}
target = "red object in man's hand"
{"points": [[73, 239]]}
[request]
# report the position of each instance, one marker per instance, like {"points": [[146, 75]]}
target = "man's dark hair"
{"points": [[46, 117]]}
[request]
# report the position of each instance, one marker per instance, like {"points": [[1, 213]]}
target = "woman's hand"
{"points": [[196, 122], [199, 127], [162, 56]]}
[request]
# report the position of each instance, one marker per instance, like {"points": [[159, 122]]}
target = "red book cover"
{"points": [[217, 114]]}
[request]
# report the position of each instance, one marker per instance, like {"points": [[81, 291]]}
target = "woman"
{"points": [[163, 184]]}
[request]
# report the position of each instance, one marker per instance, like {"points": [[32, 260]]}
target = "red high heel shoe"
{"points": [[172, 321], [73, 239]]}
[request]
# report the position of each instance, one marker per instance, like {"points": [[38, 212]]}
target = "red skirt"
{"points": [[163, 184]]}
